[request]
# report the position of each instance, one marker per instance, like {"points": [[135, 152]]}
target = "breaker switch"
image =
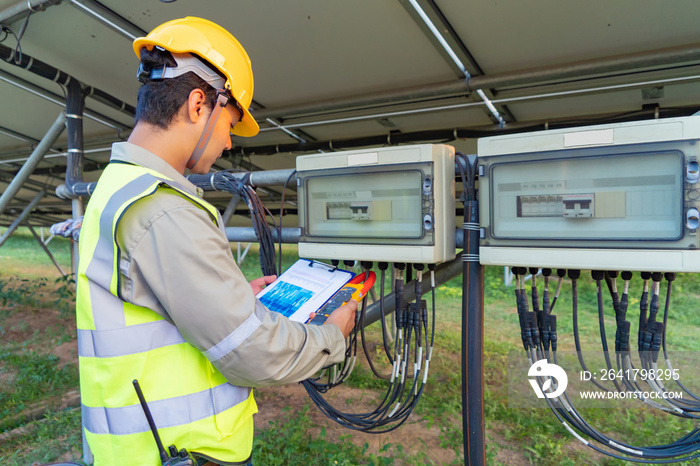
{"points": [[578, 205]]}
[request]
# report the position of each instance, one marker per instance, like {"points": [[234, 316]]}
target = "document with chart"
{"points": [[303, 289]]}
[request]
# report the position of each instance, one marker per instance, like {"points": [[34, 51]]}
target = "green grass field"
{"points": [[37, 323]]}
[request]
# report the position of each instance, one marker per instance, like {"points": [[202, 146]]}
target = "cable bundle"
{"points": [[411, 342], [537, 334], [238, 185]]}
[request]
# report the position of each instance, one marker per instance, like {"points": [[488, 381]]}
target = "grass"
{"points": [[30, 375], [291, 440], [33, 376], [21, 255]]}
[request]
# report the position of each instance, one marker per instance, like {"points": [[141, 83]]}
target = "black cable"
{"points": [[364, 339], [670, 277], [571, 419], [279, 230], [598, 275], [561, 273], [17, 54], [574, 275], [382, 268], [227, 181], [400, 399]]}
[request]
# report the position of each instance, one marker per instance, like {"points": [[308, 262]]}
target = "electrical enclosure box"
{"points": [[613, 197], [392, 204]]}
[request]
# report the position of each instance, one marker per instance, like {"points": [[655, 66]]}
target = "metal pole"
{"points": [[257, 179], [12, 13], [22, 216], [247, 235], [109, 18], [33, 160], [291, 236], [45, 248], [77, 207], [230, 208], [472, 335], [38, 91]]}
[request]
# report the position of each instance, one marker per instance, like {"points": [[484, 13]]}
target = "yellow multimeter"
{"points": [[355, 289]]}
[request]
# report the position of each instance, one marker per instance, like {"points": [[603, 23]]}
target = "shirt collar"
{"points": [[137, 155]]}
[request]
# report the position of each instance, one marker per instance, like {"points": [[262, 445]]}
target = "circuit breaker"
{"points": [[393, 204], [610, 197]]}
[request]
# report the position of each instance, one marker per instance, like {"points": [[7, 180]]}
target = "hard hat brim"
{"points": [[247, 127]]}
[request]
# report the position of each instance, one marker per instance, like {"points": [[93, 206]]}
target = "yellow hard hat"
{"points": [[218, 47]]}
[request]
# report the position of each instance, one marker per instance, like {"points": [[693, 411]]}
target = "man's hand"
{"points": [[344, 317], [259, 283]]}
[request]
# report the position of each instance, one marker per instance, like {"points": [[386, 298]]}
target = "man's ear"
{"points": [[196, 105]]}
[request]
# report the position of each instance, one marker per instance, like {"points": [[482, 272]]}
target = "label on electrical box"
{"points": [[630, 196], [394, 204], [623, 196], [371, 205]]}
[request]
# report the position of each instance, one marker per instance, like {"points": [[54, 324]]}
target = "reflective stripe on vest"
{"points": [[168, 413], [113, 338]]}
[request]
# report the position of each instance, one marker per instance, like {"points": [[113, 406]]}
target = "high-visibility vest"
{"points": [[193, 405]]}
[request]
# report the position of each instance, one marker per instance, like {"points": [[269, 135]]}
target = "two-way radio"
{"points": [[176, 458]]}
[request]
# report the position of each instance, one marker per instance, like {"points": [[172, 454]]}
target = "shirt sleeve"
{"points": [[176, 261]]}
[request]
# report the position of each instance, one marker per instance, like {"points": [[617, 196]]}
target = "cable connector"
{"points": [[534, 330], [546, 334], [653, 309], [415, 313], [553, 331], [622, 337], [656, 331], [524, 330], [645, 340]]}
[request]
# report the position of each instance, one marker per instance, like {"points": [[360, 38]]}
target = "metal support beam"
{"points": [[291, 235], [447, 42], [11, 229], [109, 18], [231, 208], [52, 73], [18, 136], [19, 9], [45, 248], [426, 13], [78, 211], [258, 179], [615, 65], [247, 235], [31, 163], [59, 100]]}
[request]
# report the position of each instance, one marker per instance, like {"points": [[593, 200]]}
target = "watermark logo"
{"points": [[542, 368]]}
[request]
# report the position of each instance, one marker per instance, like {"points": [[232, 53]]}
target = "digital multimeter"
{"points": [[355, 289]]}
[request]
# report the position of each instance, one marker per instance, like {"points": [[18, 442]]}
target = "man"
{"points": [[160, 298]]}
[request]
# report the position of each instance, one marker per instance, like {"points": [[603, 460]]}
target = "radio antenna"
{"points": [[163, 455]]}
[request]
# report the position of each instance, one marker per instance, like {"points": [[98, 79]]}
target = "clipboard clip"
{"points": [[330, 268]]}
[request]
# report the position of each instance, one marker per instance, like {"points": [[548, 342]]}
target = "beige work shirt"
{"points": [[177, 262]]}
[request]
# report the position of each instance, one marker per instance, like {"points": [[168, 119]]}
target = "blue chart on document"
{"points": [[303, 289]]}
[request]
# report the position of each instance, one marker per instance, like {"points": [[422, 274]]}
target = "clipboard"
{"points": [[303, 288]]}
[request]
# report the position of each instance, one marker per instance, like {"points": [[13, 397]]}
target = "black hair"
{"points": [[159, 100]]}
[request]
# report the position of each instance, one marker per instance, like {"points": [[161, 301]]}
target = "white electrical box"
{"points": [[391, 204], [614, 197]]}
